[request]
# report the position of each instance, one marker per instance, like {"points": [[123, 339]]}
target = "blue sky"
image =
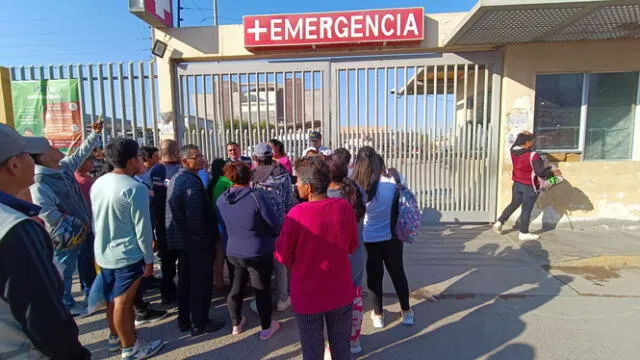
{"points": [[88, 31]]}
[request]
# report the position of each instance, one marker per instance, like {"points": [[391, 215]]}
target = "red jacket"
{"points": [[315, 243], [527, 166]]}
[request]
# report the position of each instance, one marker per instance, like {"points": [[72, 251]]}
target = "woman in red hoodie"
{"points": [[316, 240], [528, 166]]}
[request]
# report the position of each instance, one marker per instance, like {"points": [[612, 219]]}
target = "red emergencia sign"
{"points": [[158, 13], [334, 28]]}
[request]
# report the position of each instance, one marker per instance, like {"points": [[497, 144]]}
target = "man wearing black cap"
{"points": [[34, 323], [315, 141]]}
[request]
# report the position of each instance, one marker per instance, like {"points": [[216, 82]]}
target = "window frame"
{"points": [[584, 110]]}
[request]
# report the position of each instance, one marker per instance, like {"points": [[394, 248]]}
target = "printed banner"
{"points": [[49, 108]]}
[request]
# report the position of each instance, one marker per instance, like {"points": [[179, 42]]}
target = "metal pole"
{"points": [[215, 12], [179, 15]]}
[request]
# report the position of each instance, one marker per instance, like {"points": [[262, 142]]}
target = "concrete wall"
{"points": [[595, 190]]}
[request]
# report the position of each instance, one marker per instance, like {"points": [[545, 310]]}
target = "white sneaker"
{"points": [[407, 318], [284, 305], [378, 320], [355, 347], [142, 350], [497, 227], [253, 306], [528, 237]]}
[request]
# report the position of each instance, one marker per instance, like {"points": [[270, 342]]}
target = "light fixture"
{"points": [[159, 48]]}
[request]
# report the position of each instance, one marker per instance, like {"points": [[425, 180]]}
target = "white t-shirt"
{"points": [[377, 221]]}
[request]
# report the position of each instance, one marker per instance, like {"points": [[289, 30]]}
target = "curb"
{"points": [[604, 261]]}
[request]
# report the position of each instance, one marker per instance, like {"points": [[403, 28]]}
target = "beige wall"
{"points": [[596, 190]]}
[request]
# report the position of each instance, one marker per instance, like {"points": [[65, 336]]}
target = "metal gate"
{"points": [[124, 94], [433, 117]]}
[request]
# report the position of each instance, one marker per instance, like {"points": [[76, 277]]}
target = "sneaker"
{"points": [[284, 305], [378, 320], [237, 329], [113, 343], [254, 306], [528, 237], [407, 318], [142, 350], [267, 334], [355, 347], [497, 227], [150, 316], [78, 310]]}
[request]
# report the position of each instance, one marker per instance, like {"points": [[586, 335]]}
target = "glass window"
{"points": [[557, 111], [611, 116]]}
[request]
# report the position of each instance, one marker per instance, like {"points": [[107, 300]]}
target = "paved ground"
{"points": [[476, 295]]}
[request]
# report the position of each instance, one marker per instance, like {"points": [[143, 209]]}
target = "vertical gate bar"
{"points": [[51, 77], [219, 103], [232, 129], [32, 73], [250, 108], [385, 93], [347, 111], [41, 72], [196, 105], [485, 114], [435, 156], [455, 148], [183, 119], [260, 137], [367, 132], [132, 97], [376, 138], [207, 135], [304, 102], [112, 98], [395, 149], [357, 106], [440, 174], [494, 129], [446, 141], [102, 100], [143, 102], [287, 140], [294, 110], [92, 98], [243, 142], [465, 154], [414, 134], [22, 73], [61, 73], [405, 114], [424, 141], [336, 102], [154, 114], [475, 170], [83, 102]]}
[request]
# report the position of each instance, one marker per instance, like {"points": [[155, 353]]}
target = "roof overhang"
{"points": [[501, 22]]}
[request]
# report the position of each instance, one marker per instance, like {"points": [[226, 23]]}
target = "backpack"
{"points": [[278, 192], [544, 184], [406, 218]]}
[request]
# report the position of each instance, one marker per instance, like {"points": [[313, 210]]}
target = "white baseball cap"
{"points": [[12, 143]]}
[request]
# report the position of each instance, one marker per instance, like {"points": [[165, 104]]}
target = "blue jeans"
{"points": [[65, 261], [86, 265]]}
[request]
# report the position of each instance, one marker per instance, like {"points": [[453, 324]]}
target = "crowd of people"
{"points": [[257, 217]]}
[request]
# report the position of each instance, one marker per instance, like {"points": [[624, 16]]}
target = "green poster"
{"points": [[28, 106], [49, 108]]}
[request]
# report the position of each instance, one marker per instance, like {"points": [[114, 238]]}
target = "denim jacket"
{"points": [[58, 193]]}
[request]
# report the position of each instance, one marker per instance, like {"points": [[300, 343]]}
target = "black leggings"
{"points": [[526, 196], [259, 271], [389, 254]]}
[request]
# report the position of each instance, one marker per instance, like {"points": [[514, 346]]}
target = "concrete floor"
{"points": [[476, 295]]}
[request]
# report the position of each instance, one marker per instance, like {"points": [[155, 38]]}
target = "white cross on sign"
{"points": [[162, 6], [256, 30]]}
